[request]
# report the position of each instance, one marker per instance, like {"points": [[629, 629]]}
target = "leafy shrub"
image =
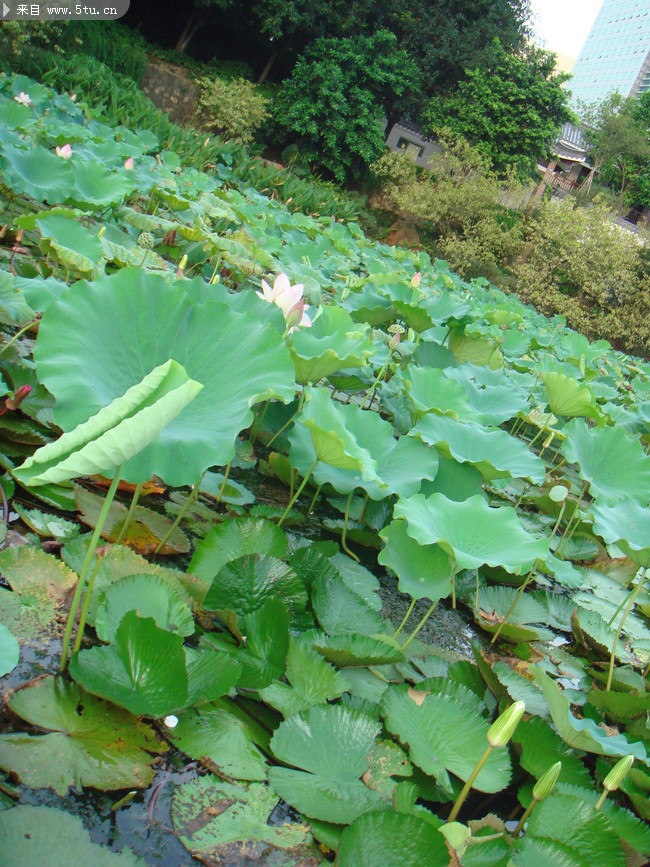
{"points": [[336, 97], [18, 37], [235, 108], [119, 47]]}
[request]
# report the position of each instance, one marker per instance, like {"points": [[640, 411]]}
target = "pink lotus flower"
{"points": [[415, 280], [73, 97], [289, 299], [64, 152], [23, 98], [128, 164]]}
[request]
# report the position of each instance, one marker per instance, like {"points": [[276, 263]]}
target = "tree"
{"points": [[336, 98], [510, 109], [618, 131]]}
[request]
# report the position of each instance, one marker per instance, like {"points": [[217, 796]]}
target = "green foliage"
{"points": [[509, 108], [336, 96], [235, 109]]}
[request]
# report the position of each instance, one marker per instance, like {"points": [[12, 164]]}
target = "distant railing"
{"points": [[561, 182]]}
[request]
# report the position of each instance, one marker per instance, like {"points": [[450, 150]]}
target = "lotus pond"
{"points": [[229, 433]]}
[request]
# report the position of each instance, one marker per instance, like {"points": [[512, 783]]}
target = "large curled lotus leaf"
{"points": [[15, 307], [564, 829], [333, 342], [116, 433], [101, 338], [36, 172], [222, 736], [493, 396], [471, 532], [96, 186], [220, 822], [148, 596], [583, 734], [475, 349], [494, 453], [73, 244], [422, 570], [614, 464], [144, 670], [443, 735], [627, 524], [383, 837], [9, 651], [45, 835], [567, 397], [327, 747], [401, 463], [90, 742], [332, 442], [429, 389], [311, 680]]}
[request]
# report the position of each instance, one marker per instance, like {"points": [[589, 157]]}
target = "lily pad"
{"points": [[9, 651], [235, 538], [380, 838], [91, 742]]}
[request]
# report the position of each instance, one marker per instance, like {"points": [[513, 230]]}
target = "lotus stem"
{"points": [[301, 400], [464, 792], [81, 583], [86, 603], [363, 507], [418, 627], [406, 617], [476, 594], [313, 501], [191, 497], [559, 520], [542, 789], [129, 514], [513, 606], [571, 526], [346, 518], [257, 424], [371, 391], [18, 334], [628, 608], [298, 492], [223, 484]]}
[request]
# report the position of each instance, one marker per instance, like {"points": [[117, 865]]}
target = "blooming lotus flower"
{"points": [[64, 152], [23, 98], [128, 164], [289, 299]]}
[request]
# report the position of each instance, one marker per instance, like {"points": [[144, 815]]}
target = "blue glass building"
{"points": [[616, 54]]}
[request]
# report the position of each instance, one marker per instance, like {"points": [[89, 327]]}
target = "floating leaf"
{"points": [[9, 651], [340, 609], [330, 745], [235, 538], [91, 743], [391, 838], [352, 649], [541, 747]]}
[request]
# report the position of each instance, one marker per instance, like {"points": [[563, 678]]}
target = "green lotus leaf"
{"points": [[431, 390], [96, 186], [494, 453], [456, 481], [391, 838], [148, 596], [143, 671], [339, 609], [244, 585], [422, 570], [475, 349], [471, 532], [332, 442], [311, 680], [36, 172], [613, 463], [329, 744], [238, 825], [583, 734], [72, 243], [9, 651], [222, 734], [444, 736], [353, 649], [115, 330], [333, 342], [621, 707], [541, 747], [15, 307], [44, 835], [627, 524], [117, 433], [401, 463], [494, 603], [565, 829], [91, 742], [568, 397]]}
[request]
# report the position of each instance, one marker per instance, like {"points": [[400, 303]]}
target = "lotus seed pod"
{"points": [[544, 786], [618, 773], [145, 240], [558, 493], [503, 728]]}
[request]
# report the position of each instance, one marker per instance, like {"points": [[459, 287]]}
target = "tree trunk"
{"points": [[267, 68], [189, 31]]}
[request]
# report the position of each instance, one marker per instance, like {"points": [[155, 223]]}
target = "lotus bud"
{"points": [[294, 316], [101, 232], [181, 266], [544, 786], [128, 164], [64, 152], [73, 97], [18, 397], [503, 728], [415, 279], [411, 335], [618, 773]]}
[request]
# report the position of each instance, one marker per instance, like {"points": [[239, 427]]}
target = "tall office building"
{"points": [[616, 55]]}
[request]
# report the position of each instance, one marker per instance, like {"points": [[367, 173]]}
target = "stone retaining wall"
{"points": [[170, 88]]}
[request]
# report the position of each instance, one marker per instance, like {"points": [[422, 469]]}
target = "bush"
{"points": [[235, 109]]}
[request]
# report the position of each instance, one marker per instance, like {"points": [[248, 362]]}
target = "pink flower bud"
{"points": [[64, 152], [415, 280], [128, 164], [18, 396]]}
